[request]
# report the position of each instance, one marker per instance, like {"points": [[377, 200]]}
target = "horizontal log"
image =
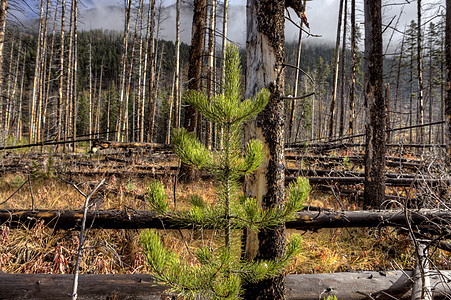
{"points": [[119, 219], [347, 285]]}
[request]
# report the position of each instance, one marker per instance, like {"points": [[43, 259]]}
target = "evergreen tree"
{"points": [[219, 271]]}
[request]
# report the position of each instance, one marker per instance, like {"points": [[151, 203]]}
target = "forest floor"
{"points": [[41, 249]]}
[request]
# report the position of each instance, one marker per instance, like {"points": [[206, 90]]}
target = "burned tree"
{"points": [[448, 73], [265, 55], [375, 107]]}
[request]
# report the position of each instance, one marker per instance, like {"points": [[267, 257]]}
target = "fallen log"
{"points": [[346, 285], [119, 219]]}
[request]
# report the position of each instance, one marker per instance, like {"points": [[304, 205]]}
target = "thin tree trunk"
{"points": [[177, 70], [69, 76], [335, 83], [125, 125], [152, 73], [265, 48], [353, 73], [74, 80], [448, 75], [375, 124], [99, 101], [140, 74], [36, 79], [42, 84], [61, 76], [420, 74], [127, 4], [91, 110], [398, 79], [343, 72], [292, 104], [144, 80], [3, 12], [50, 69], [210, 68]]}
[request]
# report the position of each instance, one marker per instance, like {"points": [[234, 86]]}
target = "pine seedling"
{"points": [[219, 271]]}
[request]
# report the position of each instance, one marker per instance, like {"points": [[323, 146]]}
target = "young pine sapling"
{"points": [[220, 271]]}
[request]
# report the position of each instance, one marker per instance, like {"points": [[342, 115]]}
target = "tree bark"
{"points": [[343, 72], [305, 220], [61, 75], [353, 72], [121, 113], [151, 72], [187, 173], [3, 12], [265, 49], [346, 285], [375, 107], [448, 76], [335, 83], [292, 104], [420, 120]]}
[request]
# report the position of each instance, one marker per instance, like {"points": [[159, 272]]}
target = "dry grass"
{"points": [[44, 250]]}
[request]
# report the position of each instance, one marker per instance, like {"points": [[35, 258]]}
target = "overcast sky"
{"points": [[321, 14]]}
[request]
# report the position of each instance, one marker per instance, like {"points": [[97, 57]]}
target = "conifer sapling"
{"points": [[220, 271]]}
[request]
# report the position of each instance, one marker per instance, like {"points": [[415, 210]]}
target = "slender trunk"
{"points": [[335, 83], [398, 79], [12, 109], [420, 74], [265, 48], [195, 59], [431, 95], [177, 70], [343, 72], [144, 80], [140, 73], [50, 68], [375, 106], [224, 40], [125, 125], [99, 102], [74, 80], [210, 68], [61, 76], [127, 5], [19, 117], [353, 73], [67, 108], [448, 75], [42, 79], [91, 110], [3, 12], [36, 79], [152, 73], [387, 108], [8, 98], [292, 108]]}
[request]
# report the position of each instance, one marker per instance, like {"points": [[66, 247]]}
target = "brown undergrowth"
{"points": [[43, 250]]}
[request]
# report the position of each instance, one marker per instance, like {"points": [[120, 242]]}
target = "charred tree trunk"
{"points": [[335, 83], [448, 75], [375, 107], [292, 104], [194, 71], [61, 75], [353, 72], [210, 68], [3, 11], [265, 56], [420, 120], [343, 72], [151, 72], [121, 112]]}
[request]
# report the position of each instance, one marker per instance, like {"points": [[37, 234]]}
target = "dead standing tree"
{"points": [[187, 173], [448, 74], [375, 107], [265, 49]]}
